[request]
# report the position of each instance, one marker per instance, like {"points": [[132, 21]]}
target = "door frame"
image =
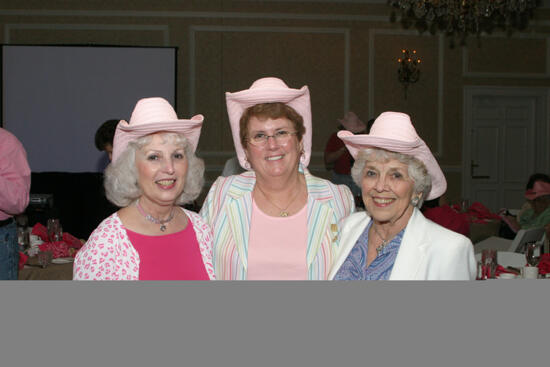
{"points": [[542, 125]]}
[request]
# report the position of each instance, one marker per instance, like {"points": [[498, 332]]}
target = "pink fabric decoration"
{"points": [[544, 264], [22, 259], [41, 231]]}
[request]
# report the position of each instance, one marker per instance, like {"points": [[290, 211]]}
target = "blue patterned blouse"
{"points": [[354, 267]]}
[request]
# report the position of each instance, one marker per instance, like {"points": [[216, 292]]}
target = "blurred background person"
{"points": [[232, 167], [534, 213], [392, 239], [154, 170], [15, 184], [337, 157], [275, 221], [104, 137]]}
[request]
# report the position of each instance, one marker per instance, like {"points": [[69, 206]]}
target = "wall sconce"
{"points": [[408, 71]]}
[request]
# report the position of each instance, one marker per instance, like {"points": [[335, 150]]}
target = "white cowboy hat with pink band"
{"points": [[269, 90], [394, 131], [152, 115]]}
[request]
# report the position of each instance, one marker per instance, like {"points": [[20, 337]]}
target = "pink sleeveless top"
{"points": [[174, 256], [277, 246]]}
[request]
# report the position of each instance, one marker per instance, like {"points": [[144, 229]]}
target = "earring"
{"points": [[415, 200], [247, 165], [303, 157]]}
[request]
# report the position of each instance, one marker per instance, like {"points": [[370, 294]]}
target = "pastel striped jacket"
{"points": [[228, 209]]}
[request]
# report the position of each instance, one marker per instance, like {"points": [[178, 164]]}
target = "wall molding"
{"points": [[193, 30], [92, 27], [232, 15], [500, 75], [194, 14], [440, 76]]}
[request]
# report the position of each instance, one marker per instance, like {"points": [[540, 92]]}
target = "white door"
{"points": [[500, 147]]}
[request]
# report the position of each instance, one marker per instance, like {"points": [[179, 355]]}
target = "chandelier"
{"points": [[460, 18]]}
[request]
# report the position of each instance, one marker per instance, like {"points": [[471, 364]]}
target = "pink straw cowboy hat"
{"points": [[352, 123], [269, 90], [153, 115], [393, 131], [540, 188]]}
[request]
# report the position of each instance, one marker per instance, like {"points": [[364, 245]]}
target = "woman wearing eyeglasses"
{"points": [[275, 221]]}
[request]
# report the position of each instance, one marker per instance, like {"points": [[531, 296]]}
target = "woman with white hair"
{"points": [[392, 239], [276, 221], [154, 170]]}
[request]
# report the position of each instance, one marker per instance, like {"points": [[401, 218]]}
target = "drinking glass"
{"points": [[464, 205], [45, 258], [489, 262], [532, 253], [23, 238], [55, 233]]}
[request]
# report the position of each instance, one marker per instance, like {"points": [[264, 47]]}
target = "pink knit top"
{"points": [[277, 246], [174, 256]]}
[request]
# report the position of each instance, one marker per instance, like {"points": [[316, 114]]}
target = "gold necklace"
{"points": [[152, 219], [384, 243], [283, 211]]}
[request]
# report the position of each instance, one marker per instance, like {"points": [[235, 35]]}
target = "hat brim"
{"points": [[532, 195], [298, 99], [126, 133], [416, 148]]}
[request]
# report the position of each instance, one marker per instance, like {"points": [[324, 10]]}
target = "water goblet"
{"points": [[489, 263], [44, 258], [532, 253], [23, 238], [55, 233]]}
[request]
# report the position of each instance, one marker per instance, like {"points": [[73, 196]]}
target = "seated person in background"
{"points": [[104, 137], [439, 211], [538, 212], [154, 170], [530, 183]]}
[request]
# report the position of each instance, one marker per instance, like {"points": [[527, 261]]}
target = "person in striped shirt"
{"points": [[275, 221]]}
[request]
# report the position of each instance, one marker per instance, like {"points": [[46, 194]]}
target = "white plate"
{"points": [[507, 276], [63, 260]]}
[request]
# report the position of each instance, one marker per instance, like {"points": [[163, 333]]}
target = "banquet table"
{"points": [[32, 271], [481, 231]]}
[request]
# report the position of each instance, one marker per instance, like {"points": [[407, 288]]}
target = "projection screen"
{"points": [[55, 97]]}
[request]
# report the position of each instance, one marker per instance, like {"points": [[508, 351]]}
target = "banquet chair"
{"points": [[516, 245], [507, 258]]}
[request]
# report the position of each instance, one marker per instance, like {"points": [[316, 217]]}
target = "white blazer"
{"points": [[428, 251]]}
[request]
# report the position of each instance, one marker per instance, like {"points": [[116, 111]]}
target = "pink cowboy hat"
{"points": [[352, 123], [540, 188], [393, 131], [269, 90], [152, 115]]}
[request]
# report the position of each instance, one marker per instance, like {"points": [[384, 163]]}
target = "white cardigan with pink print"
{"points": [[109, 255]]}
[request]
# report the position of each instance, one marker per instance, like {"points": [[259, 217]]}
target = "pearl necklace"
{"points": [[283, 211], [152, 219], [384, 243]]}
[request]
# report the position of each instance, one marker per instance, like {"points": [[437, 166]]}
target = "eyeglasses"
{"points": [[281, 137]]}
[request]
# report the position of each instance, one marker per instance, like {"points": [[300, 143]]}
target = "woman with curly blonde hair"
{"points": [[153, 171]]}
